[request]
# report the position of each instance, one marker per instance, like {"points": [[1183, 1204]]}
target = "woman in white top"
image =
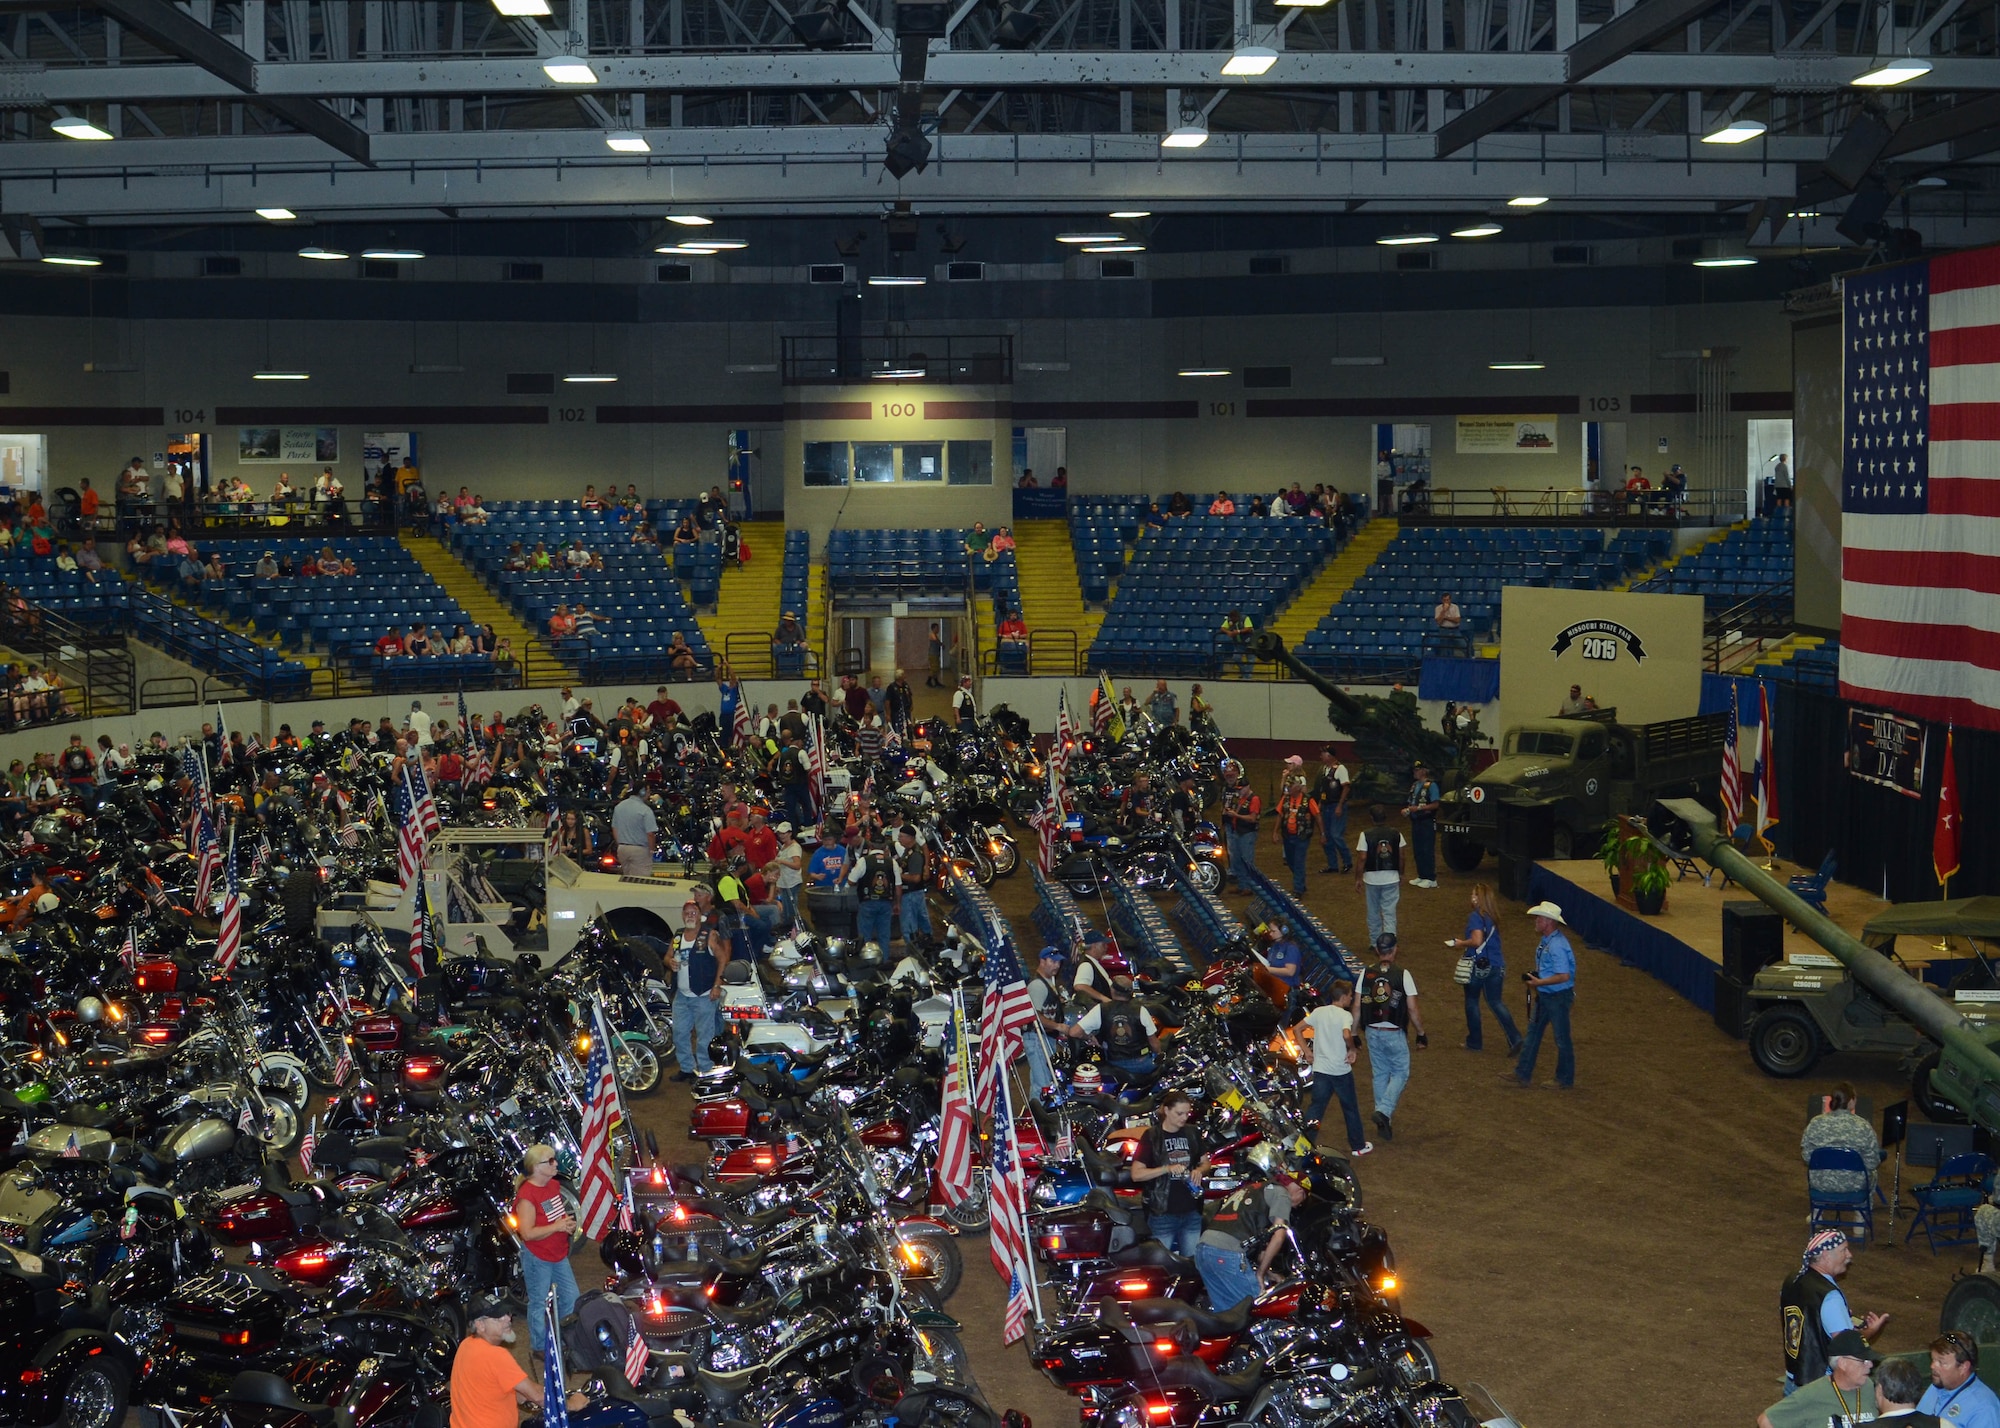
{"points": [[790, 863]]}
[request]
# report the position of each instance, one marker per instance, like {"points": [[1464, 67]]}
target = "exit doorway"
{"points": [[1769, 441]]}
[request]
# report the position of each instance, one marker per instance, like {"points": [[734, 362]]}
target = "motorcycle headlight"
{"points": [[1127, 1415], [1045, 1192]]}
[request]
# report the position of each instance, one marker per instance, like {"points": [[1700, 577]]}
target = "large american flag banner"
{"points": [[1920, 489]]}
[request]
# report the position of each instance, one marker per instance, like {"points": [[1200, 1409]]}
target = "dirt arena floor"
{"points": [[1609, 1255]]}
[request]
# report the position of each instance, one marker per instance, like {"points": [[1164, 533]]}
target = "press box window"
{"points": [[971, 463], [874, 462], [826, 463], [923, 461]]}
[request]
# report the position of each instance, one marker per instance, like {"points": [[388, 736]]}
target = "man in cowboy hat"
{"points": [[1554, 981]]}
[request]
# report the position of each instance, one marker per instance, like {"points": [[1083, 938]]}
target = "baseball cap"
{"points": [[1049, 954], [495, 1306], [1848, 1344], [1386, 942], [782, 828]]}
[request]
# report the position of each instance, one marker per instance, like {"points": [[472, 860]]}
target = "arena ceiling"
{"points": [[369, 110]]}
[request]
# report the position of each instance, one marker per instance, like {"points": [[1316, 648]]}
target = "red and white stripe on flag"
{"points": [[1008, 1233], [1920, 488], [955, 1136], [1732, 770], [596, 1188]]}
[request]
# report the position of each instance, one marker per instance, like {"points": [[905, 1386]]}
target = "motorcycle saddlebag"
{"points": [[226, 1315]]}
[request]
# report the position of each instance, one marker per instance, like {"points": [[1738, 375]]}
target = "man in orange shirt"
{"points": [[487, 1382], [87, 504]]}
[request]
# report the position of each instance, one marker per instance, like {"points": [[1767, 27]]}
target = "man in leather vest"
{"points": [[874, 877], [915, 867], [1124, 1029], [1812, 1309], [1388, 1013], [1250, 1221], [696, 960], [1378, 871]]}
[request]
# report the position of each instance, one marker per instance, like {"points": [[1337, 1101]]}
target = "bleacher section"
{"points": [[1182, 580], [1100, 528], [1750, 559], [637, 599], [1382, 627], [885, 564], [1805, 660]]}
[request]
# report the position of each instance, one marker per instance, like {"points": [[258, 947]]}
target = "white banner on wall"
{"points": [[296, 444], [386, 448], [1503, 435]]}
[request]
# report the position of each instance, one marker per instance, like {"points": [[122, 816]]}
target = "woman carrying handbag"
{"points": [[1482, 971]]}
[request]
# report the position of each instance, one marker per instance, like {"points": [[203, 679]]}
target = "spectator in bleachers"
{"points": [[267, 566], [584, 623], [1162, 706], [1179, 505], [1450, 622], [190, 571], [1298, 500], [1258, 510], [1013, 634], [1061, 483], [686, 531], [711, 508], [1155, 519], [442, 515], [789, 635], [65, 562], [461, 642], [540, 560], [86, 505], [41, 536], [976, 539], [680, 655], [474, 514], [283, 494], [644, 534], [576, 559], [309, 568], [1237, 629], [1781, 483], [482, 639], [516, 559], [1222, 505], [1028, 481], [1674, 488], [417, 642], [390, 645], [562, 624], [590, 501], [1002, 542], [506, 668], [1636, 487], [88, 560]]}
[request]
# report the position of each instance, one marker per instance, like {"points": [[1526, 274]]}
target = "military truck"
{"points": [[1799, 1010], [1569, 777]]}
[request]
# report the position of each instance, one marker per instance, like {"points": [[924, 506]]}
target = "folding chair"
{"points": [[1945, 1202]]}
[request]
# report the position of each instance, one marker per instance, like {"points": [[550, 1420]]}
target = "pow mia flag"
{"points": [[1599, 639]]}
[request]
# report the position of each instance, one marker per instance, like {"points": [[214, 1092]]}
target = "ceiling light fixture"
{"points": [[1115, 248], [1082, 238], [1736, 131], [72, 127], [277, 215], [281, 376], [714, 245], [690, 220], [1300, 4], [896, 374], [1932, 181], [1733, 260], [1527, 201], [581, 378], [897, 280], [1528, 364], [1356, 361], [73, 260], [1131, 213], [568, 69], [1203, 372], [1405, 240], [1250, 61], [627, 141], [393, 255], [521, 9], [1897, 71], [684, 250], [1804, 213], [1477, 230], [1191, 134], [323, 255]]}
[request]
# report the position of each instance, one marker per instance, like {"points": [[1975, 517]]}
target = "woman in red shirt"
{"points": [[543, 1222]]}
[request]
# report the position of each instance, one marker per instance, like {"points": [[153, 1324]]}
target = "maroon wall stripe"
{"points": [[1662, 403], [967, 411], [18, 418], [1105, 411], [1760, 401], [829, 411], [383, 418], [1386, 408], [742, 413]]}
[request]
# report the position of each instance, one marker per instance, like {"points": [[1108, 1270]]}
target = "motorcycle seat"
{"points": [[383, 1149], [1211, 1387], [90, 1117], [1154, 1255], [1206, 1323], [267, 1390], [745, 1265], [1105, 1201]]}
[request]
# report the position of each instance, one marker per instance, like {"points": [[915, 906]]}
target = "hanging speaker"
{"points": [[1864, 213], [1859, 148]]}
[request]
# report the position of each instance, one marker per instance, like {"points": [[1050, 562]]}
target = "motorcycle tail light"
{"points": [[1133, 1288], [1052, 1241], [1165, 1348], [155, 1035], [1158, 1408], [1388, 1284], [660, 1178], [708, 1290], [608, 862], [680, 1211], [422, 1068], [31, 1375], [236, 1339]]}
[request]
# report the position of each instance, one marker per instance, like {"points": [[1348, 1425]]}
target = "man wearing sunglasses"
{"points": [[1957, 1395]]}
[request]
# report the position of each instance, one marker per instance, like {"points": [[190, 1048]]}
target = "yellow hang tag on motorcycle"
{"points": [[1231, 1100], [1302, 1146]]}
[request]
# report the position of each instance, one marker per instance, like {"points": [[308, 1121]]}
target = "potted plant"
{"points": [[1637, 869], [1649, 884]]}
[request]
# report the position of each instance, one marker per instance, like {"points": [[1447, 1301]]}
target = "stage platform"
{"points": [[1683, 945]]}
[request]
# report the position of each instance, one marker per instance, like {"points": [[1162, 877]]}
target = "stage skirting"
{"points": [[1628, 937]]}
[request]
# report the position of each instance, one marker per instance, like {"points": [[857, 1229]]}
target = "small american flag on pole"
{"points": [[555, 1388], [423, 800], [210, 861], [1732, 771], [229, 937], [1047, 821], [635, 1352], [954, 1163], [307, 1146], [1065, 733], [1008, 1235], [129, 954], [1003, 1015], [597, 1190]]}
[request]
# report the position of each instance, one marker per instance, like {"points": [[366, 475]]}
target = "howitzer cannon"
{"points": [[1389, 733], [1965, 1070]]}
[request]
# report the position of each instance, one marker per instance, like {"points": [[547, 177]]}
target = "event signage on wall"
{"points": [[1640, 654], [297, 444], [1887, 749], [1506, 435]]}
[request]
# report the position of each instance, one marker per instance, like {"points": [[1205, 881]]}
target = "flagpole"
{"points": [[1021, 1199], [611, 1060]]}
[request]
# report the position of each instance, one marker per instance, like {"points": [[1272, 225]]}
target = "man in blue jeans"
{"points": [[1334, 1050], [1242, 812], [874, 877], [1388, 1014], [1251, 1221], [1330, 792], [1554, 983], [1170, 1163], [696, 961]]}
